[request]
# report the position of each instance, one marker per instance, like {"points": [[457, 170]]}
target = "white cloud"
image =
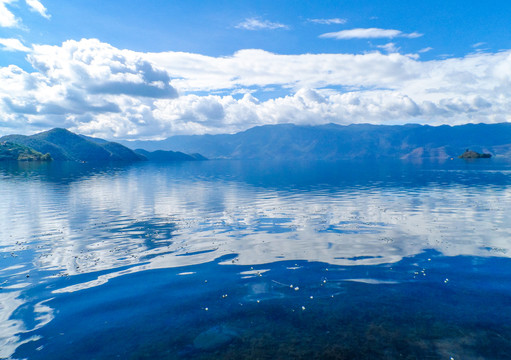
{"points": [[328, 21], [35, 5], [99, 68], [368, 33], [389, 47], [479, 44], [261, 68], [425, 50], [216, 114], [97, 89], [81, 82], [256, 24], [7, 18], [13, 45]]}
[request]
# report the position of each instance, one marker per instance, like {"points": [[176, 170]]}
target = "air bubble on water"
{"points": [[206, 309], [303, 307], [312, 297], [297, 288]]}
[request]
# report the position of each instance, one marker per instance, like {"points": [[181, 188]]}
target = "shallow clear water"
{"points": [[231, 260]]}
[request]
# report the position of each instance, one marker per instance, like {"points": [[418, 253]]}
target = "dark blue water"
{"points": [[251, 260]]}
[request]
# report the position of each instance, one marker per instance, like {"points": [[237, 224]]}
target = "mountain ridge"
{"points": [[167, 155], [336, 142], [63, 145]]}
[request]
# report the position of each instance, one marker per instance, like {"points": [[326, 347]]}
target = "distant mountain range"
{"points": [[62, 144], [336, 142], [273, 142]]}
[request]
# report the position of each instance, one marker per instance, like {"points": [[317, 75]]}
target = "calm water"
{"points": [[245, 260]]}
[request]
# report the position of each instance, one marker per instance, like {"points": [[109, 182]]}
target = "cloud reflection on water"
{"points": [[163, 217], [111, 223]]}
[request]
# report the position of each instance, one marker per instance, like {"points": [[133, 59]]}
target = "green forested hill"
{"points": [[62, 144], [11, 151]]}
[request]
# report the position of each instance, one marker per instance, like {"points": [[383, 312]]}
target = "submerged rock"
{"points": [[214, 338]]}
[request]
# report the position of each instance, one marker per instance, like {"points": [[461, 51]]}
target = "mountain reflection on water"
{"points": [[67, 227]]}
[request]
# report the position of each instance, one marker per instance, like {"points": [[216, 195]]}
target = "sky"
{"points": [[152, 69]]}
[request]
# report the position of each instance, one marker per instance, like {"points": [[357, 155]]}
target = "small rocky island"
{"points": [[469, 154]]}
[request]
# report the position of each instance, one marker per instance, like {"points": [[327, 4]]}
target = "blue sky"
{"points": [[151, 69]]}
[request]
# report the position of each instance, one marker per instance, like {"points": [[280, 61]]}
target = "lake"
{"points": [[254, 260]]}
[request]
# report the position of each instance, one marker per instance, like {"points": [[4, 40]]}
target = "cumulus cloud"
{"points": [[257, 24], [13, 45], [7, 18], [96, 89], [79, 82], [337, 21], [99, 68], [368, 33], [216, 114], [36, 6]]}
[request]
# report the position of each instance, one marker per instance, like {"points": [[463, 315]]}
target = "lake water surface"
{"points": [[252, 260]]}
